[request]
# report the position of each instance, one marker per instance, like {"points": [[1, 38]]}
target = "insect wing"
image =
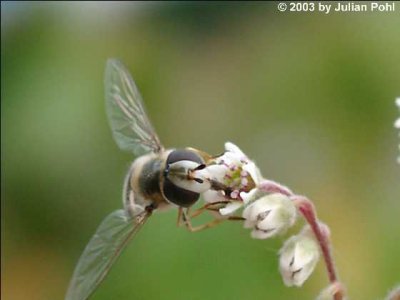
{"points": [[130, 125], [111, 237]]}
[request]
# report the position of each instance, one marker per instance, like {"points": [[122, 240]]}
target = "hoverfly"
{"points": [[157, 179]]}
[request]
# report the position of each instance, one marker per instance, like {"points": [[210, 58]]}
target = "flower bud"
{"points": [[269, 216], [298, 258]]}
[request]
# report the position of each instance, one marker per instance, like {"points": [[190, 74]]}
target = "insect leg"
{"points": [[186, 217], [215, 206], [179, 222], [235, 218], [189, 226], [130, 206]]}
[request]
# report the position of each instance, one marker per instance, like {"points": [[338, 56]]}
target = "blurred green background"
{"points": [[309, 96]]}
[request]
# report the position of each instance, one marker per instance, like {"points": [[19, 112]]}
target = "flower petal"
{"points": [[254, 172], [247, 212], [231, 147], [212, 196], [258, 207], [263, 234], [249, 224], [249, 197], [231, 207]]}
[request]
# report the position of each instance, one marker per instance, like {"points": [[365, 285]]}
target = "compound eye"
{"points": [[178, 155], [177, 187]]}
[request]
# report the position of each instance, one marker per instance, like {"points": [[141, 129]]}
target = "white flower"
{"points": [[298, 258], [236, 156], [397, 123], [240, 173], [269, 216], [235, 174]]}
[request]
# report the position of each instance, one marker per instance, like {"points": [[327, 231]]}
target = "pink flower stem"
{"points": [[307, 209]]}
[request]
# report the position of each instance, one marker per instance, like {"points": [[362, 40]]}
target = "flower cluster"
{"points": [[233, 177], [269, 209]]}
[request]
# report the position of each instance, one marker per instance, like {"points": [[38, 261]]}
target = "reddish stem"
{"points": [[308, 211], [306, 208], [270, 187]]}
